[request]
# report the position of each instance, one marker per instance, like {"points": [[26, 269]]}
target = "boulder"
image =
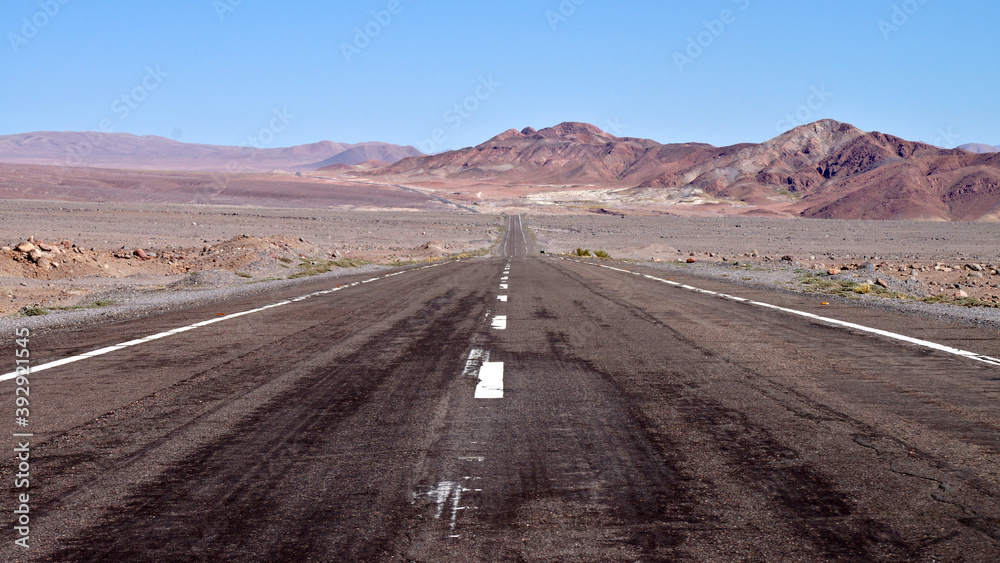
{"points": [[140, 253], [691, 260], [833, 271], [25, 247], [45, 246], [35, 254], [882, 283]]}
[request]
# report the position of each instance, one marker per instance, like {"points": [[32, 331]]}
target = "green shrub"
{"points": [[582, 252], [601, 254]]}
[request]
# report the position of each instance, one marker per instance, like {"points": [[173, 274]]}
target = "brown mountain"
{"points": [[122, 150], [824, 169]]}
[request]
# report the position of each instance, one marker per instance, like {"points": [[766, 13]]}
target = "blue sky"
{"points": [[450, 74]]}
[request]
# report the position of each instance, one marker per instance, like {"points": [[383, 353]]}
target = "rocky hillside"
{"points": [[825, 169]]}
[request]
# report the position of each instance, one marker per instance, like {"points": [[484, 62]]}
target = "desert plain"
{"points": [[155, 247]]}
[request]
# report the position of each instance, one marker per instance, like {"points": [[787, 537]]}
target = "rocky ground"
{"points": [[940, 265], [64, 257]]}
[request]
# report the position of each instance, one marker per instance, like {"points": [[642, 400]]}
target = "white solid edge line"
{"points": [[836, 322], [490, 381], [145, 339]]}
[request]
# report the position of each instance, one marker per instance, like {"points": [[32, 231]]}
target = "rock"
{"points": [[867, 266], [44, 246], [31, 239], [35, 254], [975, 274], [961, 294], [66, 244], [974, 267], [833, 271], [25, 247], [787, 258], [754, 254], [44, 263], [140, 253], [882, 283], [690, 260]]}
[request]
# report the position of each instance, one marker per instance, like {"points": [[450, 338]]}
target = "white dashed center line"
{"points": [[490, 381], [500, 322]]}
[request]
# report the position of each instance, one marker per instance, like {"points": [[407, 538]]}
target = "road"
{"points": [[512, 408]]}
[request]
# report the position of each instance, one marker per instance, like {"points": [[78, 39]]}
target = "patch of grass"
{"points": [[243, 274], [863, 288], [34, 311], [349, 263], [601, 254], [959, 301], [92, 305], [309, 267], [285, 260], [581, 252]]}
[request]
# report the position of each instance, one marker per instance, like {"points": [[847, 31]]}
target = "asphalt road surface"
{"points": [[513, 408]]}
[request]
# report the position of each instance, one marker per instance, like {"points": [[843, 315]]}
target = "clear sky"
{"points": [[448, 74]]}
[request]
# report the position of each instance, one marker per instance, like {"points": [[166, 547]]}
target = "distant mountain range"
{"points": [[122, 150], [826, 169], [979, 148]]}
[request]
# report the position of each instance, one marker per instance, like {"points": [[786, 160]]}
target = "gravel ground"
{"points": [[132, 302]]}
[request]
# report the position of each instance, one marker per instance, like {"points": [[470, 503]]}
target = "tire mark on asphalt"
{"points": [[231, 474]]}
